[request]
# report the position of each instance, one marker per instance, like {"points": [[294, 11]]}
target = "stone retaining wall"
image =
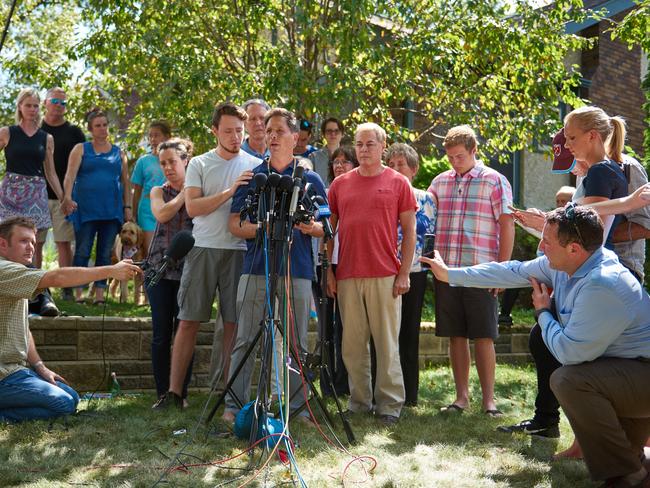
{"points": [[82, 348]]}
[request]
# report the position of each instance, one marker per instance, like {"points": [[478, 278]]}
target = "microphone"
{"points": [[324, 213], [248, 208], [178, 248], [272, 182], [297, 186], [260, 180], [284, 186]]}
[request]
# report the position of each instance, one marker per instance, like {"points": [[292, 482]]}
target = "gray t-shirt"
{"points": [[632, 253], [213, 175]]}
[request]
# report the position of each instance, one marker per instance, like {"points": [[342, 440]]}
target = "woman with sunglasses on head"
{"points": [[147, 174], [168, 208], [30, 165], [97, 196]]}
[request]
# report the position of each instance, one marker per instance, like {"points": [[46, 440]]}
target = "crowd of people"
{"points": [[591, 342]]}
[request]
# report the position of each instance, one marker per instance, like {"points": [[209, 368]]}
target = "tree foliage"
{"points": [[458, 61]]}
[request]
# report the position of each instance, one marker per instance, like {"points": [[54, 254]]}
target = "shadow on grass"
{"points": [[122, 442]]}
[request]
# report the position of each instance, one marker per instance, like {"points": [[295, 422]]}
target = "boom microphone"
{"points": [[178, 248]]}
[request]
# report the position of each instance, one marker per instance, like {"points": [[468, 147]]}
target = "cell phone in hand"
{"points": [[428, 247]]}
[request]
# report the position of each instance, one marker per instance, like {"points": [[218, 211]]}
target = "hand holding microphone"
{"points": [[178, 248]]}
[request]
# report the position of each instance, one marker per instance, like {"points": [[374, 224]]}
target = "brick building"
{"points": [[611, 79]]}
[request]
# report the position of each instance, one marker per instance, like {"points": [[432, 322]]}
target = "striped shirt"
{"points": [[469, 207], [17, 284]]}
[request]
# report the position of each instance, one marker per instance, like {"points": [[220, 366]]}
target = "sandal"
{"points": [[494, 413], [101, 303], [453, 409]]}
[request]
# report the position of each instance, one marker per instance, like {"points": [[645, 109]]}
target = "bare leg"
{"points": [[486, 366], [229, 335], [148, 236], [184, 343], [37, 260], [460, 361], [573, 452], [64, 251]]}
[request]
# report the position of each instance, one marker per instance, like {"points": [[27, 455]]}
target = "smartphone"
{"points": [[428, 247]]}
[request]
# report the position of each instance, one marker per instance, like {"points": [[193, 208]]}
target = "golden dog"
{"points": [[129, 244]]}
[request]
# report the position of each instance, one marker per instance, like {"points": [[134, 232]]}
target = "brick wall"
{"points": [[616, 83], [72, 346]]}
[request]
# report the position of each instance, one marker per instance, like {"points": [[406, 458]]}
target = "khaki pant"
{"points": [[607, 402], [369, 309]]}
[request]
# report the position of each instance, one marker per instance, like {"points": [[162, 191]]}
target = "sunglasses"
{"points": [[570, 212], [59, 101]]}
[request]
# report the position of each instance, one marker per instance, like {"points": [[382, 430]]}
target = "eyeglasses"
{"points": [[59, 101], [341, 162], [570, 212], [332, 132]]}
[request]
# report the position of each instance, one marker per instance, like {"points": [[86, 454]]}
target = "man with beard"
{"points": [[215, 262]]}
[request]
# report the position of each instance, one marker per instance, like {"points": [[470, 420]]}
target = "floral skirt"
{"points": [[25, 196]]}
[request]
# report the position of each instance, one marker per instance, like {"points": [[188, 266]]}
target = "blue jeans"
{"points": [[106, 230], [164, 310], [24, 395]]}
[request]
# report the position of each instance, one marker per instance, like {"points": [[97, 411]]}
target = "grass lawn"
{"points": [[122, 443]]}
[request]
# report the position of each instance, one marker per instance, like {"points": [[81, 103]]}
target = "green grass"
{"points": [[121, 442]]}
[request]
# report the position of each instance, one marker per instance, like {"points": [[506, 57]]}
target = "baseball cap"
{"points": [[563, 160]]}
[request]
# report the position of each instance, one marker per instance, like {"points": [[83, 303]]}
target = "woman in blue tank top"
{"points": [[29, 154], [97, 196]]}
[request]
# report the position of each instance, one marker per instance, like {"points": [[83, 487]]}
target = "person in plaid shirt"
{"points": [[28, 388], [473, 226]]}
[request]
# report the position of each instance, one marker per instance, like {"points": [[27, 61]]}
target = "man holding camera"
{"points": [[281, 136]]}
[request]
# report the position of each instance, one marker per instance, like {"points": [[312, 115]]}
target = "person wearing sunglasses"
{"points": [[596, 326], [303, 148], [30, 166], [66, 136]]}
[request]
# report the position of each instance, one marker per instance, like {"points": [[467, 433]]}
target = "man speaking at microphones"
{"points": [[281, 136]]}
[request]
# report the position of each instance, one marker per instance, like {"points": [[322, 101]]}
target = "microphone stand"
{"points": [[278, 236]]}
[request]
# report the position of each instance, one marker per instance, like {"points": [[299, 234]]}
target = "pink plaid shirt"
{"points": [[469, 207]]}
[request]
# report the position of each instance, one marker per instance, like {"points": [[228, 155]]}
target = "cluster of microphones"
{"points": [[278, 202]]}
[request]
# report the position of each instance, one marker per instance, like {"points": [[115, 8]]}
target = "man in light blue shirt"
{"points": [[601, 337]]}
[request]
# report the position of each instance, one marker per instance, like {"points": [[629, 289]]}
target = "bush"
{"points": [[430, 167]]}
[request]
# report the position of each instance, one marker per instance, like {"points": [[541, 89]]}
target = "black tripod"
{"points": [[278, 234], [325, 344]]}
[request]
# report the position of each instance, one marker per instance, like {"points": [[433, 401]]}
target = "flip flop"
{"points": [[452, 408], [494, 413], [101, 303]]}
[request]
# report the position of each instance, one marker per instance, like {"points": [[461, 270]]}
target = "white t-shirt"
{"points": [[213, 174]]}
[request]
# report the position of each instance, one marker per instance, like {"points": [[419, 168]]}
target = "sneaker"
{"points": [[388, 420], [48, 307], [169, 398], [532, 427]]}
